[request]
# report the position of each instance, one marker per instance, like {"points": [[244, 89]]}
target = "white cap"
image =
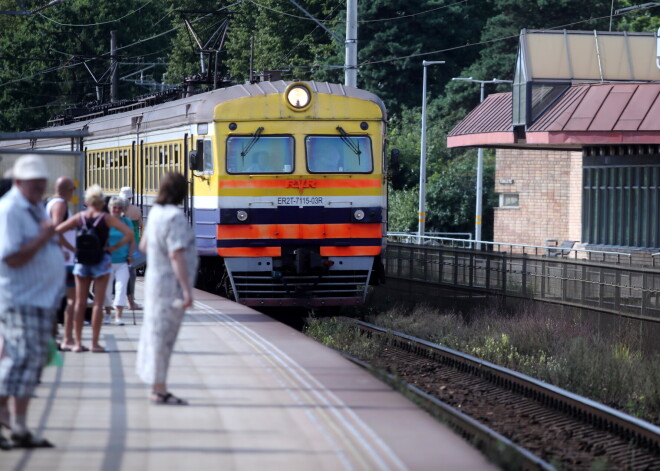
{"points": [[30, 167], [126, 192]]}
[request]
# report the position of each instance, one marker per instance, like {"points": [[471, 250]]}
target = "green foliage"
{"points": [[402, 210], [284, 38], [451, 193], [42, 66]]}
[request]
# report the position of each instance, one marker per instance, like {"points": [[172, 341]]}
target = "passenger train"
{"points": [[287, 183]]}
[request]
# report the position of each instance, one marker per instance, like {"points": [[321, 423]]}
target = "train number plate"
{"points": [[300, 201]]}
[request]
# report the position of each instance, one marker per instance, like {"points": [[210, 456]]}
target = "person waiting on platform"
{"points": [[57, 209], [31, 284], [93, 219], [133, 213], [121, 258], [172, 261]]}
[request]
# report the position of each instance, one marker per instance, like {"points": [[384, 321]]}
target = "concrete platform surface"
{"points": [[262, 396]]}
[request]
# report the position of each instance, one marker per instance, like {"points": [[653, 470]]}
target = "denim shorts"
{"points": [[94, 271]]}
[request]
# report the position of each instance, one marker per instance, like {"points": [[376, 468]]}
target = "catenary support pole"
{"points": [[350, 72], [422, 158]]}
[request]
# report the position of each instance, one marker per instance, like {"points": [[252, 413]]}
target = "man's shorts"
{"points": [[26, 331]]}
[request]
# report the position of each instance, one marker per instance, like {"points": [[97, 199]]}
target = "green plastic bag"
{"points": [[54, 356]]}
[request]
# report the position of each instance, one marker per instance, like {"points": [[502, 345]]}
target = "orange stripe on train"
{"points": [[250, 252], [277, 251], [298, 183], [300, 231]]}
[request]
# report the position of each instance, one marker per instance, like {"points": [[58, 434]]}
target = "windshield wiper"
{"points": [[253, 141], [355, 147]]}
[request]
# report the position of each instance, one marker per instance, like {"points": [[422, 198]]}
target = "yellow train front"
{"points": [[298, 203]]}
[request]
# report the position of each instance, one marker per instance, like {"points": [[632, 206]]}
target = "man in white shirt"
{"points": [[31, 284]]}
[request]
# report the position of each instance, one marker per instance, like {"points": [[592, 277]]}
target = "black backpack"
{"points": [[88, 245]]}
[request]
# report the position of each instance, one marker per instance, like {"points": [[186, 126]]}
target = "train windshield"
{"points": [[260, 154], [339, 154]]}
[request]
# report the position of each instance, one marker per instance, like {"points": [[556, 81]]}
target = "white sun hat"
{"points": [[30, 167], [126, 192]]}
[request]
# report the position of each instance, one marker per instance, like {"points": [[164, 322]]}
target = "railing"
{"points": [[535, 250], [526, 272]]}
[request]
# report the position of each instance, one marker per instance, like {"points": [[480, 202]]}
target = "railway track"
{"points": [[551, 424]]}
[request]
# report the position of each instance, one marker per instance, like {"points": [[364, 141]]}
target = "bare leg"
{"points": [[67, 340], [100, 285], [19, 416], [159, 388], [119, 310], [5, 420], [82, 292]]}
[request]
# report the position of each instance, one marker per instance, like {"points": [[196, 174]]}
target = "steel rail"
{"points": [[643, 434], [495, 446]]}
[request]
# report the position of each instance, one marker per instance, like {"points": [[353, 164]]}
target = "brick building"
{"points": [[578, 142]]}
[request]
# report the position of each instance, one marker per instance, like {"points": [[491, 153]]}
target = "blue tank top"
{"points": [[121, 254]]}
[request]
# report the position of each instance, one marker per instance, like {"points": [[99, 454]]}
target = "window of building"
{"points": [[509, 200]]}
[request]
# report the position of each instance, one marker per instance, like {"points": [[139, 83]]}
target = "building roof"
{"points": [[586, 114]]}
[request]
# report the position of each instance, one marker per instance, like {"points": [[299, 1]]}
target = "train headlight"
{"points": [[358, 215], [241, 215], [298, 96]]}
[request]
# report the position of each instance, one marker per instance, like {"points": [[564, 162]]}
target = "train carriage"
{"points": [[287, 183]]}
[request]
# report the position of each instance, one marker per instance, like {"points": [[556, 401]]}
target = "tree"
{"points": [[395, 35], [451, 195], [402, 210], [42, 69]]}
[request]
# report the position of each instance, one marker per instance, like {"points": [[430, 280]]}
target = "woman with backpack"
{"points": [[93, 261]]}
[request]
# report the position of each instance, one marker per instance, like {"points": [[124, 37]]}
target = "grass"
{"points": [[561, 350]]}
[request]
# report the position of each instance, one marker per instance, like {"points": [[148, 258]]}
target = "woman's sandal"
{"points": [[27, 440], [99, 349], [79, 349], [167, 399]]}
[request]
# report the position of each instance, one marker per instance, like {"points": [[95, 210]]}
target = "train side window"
{"points": [[339, 154], [207, 156]]}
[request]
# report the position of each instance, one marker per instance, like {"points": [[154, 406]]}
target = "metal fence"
{"points": [[602, 285]]}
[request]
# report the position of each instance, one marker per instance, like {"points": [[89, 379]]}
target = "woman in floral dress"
{"points": [[169, 243]]}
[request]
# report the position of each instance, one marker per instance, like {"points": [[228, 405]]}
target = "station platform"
{"points": [[262, 396]]}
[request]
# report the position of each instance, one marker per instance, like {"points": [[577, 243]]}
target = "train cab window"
{"points": [[207, 156], [260, 154], [339, 154]]}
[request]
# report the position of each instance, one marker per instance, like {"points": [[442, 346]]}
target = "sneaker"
{"points": [[119, 322], [107, 319]]}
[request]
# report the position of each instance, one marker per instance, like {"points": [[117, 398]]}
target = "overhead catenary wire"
{"points": [[96, 24], [394, 18], [503, 38]]}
